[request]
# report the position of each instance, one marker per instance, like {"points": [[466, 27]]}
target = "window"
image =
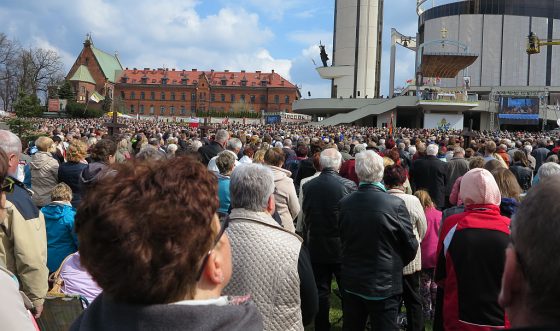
{"points": [[193, 109], [142, 95], [164, 81], [142, 109], [212, 97], [144, 80], [232, 98], [132, 95], [252, 99], [183, 110], [263, 98], [122, 95], [184, 81], [162, 95], [263, 83], [162, 110], [193, 96], [132, 109], [276, 99], [172, 96], [287, 99], [183, 96], [151, 110], [152, 95], [172, 110], [242, 97], [82, 90], [243, 83], [224, 82], [222, 97]]}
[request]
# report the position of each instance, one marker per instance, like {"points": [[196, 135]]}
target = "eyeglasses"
{"points": [[8, 185], [224, 223]]}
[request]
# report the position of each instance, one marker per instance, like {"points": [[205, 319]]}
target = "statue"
{"points": [[324, 56]]}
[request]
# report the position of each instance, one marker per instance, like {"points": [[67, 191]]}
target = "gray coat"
{"points": [[44, 177], [456, 167]]}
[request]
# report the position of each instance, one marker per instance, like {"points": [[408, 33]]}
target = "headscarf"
{"points": [[478, 187]]}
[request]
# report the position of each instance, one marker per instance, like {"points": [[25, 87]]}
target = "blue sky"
{"points": [[202, 34]]}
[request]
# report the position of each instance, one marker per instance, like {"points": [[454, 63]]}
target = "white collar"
{"points": [[220, 301]]}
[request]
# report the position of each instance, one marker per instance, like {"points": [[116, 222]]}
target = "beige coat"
{"points": [[287, 204], [44, 177], [23, 250], [419, 226]]}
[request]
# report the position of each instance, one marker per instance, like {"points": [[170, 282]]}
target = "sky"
{"points": [[203, 34]]}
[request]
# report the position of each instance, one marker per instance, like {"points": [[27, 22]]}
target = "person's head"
{"points": [[61, 192], [11, 145], [432, 150], [469, 152], [369, 167], [478, 187], [520, 157], [104, 151], [528, 149], [476, 162], [44, 144], [302, 150], [492, 165], [150, 152], [489, 147], [274, 157], [158, 220], [222, 137], [252, 187], [552, 158], [172, 148], [234, 145], [458, 152], [249, 151], [259, 156], [5, 187], [507, 183], [317, 161], [194, 146], [77, 151], [331, 159], [530, 287], [359, 148], [123, 144], [548, 170], [225, 162], [287, 143], [425, 199], [394, 176]]}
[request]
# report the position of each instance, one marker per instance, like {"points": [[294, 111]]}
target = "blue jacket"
{"points": [[223, 193], [61, 237]]}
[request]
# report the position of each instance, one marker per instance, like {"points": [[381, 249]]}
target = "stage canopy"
{"points": [[445, 65]]}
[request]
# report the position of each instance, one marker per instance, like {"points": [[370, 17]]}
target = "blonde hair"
{"points": [[259, 156], [424, 198], [44, 144], [77, 151], [61, 192], [387, 162]]}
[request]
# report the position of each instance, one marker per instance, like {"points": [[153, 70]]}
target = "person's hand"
{"points": [[38, 309]]}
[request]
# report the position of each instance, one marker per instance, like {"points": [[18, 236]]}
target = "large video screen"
{"points": [[273, 119], [516, 110]]}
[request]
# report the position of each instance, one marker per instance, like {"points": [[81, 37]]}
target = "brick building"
{"points": [[93, 72], [178, 93], [170, 92]]}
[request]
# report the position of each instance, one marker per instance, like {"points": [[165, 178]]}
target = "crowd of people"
{"points": [[245, 227]]}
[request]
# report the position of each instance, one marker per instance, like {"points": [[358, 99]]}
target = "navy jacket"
{"points": [[69, 173]]}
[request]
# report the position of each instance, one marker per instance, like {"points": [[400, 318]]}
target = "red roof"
{"points": [[189, 77]]}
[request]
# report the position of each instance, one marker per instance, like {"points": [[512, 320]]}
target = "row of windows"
{"points": [[202, 96], [172, 110]]}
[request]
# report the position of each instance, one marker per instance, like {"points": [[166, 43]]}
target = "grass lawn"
{"points": [[335, 314]]}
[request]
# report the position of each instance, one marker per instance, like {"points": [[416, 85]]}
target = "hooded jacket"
{"points": [[61, 237], [287, 204], [106, 314], [44, 176], [94, 172]]}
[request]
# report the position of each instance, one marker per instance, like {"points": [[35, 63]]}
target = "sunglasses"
{"points": [[8, 185], [224, 223]]}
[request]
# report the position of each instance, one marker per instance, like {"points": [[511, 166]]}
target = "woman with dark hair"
{"points": [[170, 257], [394, 178], [520, 168], [102, 156]]}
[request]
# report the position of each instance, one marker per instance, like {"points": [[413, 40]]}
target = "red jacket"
{"points": [[469, 269]]}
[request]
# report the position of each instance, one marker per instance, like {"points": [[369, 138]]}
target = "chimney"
{"points": [[194, 70], [273, 71], [242, 71], [258, 71], [173, 69], [226, 70]]}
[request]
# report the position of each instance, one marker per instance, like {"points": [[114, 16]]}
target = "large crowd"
{"points": [[246, 226]]}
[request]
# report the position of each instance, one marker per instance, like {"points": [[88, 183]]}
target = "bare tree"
{"points": [[39, 68], [9, 51]]}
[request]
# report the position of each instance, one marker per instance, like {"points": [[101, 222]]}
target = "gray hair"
{"points": [[222, 136], [458, 150], [369, 166], [251, 185], [150, 153], [234, 144], [194, 145], [412, 150], [330, 158], [172, 148], [547, 170], [278, 145], [528, 149], [287, 142], [225, 162], [432, 149], [10, 143], [359, 148]]}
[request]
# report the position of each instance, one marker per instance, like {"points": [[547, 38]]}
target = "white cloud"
{"points": [[311, 37], [66, 58]]}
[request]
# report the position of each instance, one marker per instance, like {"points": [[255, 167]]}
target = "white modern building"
{"points": [[356, 59]]}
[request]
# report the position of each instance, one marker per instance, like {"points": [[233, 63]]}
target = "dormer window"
{"points": [[264, 83], [164, 81], [224, 82], [144, 80], [184, 81]]}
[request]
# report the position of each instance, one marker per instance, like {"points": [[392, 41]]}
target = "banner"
{"points": [[193, 122], [443, 121]]}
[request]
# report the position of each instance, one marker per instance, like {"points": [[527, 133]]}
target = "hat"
{"points": [[478, 187]]}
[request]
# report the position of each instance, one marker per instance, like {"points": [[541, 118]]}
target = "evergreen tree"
{"points": [[28, 106], [66, 92]]}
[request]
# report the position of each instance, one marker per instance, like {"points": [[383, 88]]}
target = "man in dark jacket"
{"points": [[321, 197], [207, 152], [456, 167], [430, 174], [377, 242]]}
